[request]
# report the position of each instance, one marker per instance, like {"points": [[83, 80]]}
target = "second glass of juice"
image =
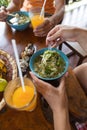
{"points": [[35, 17], [18, 99]]}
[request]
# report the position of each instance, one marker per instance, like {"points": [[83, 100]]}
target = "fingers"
{"points": [[3, 13], [41, 32], [54, 30], [42, 29], [55, 39], [2, 8], [53, 35], [44, 24], [41, 86], [62, 85], [47, 89], [55, 43]]}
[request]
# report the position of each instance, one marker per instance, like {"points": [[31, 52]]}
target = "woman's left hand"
{"points": [[56, 97]]}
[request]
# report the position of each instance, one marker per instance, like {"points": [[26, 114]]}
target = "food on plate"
{"points": [[49, 65], [25, 56], [19, 19], [3, 73], [3, 69], [11, 73], [3, 84], [8, 68]]}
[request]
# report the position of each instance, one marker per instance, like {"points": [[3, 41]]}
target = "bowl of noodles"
{"points": [[18, 20], [49, 64]]}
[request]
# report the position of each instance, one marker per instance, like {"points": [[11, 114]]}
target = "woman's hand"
{"points": [[3, 13], [61, 33], [43, 29], [56, 97]]}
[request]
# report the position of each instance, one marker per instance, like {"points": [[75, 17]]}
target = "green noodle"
{"points": [[49, 65]]}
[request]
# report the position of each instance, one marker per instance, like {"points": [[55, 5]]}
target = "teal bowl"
{"points": [[40, 52], [18, 27]]}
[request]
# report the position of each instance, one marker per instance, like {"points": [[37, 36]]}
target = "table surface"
{"points": [[11, 119]]}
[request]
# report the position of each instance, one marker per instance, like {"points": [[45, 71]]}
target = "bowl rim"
{"points": [[9, 17], [62, 54]]}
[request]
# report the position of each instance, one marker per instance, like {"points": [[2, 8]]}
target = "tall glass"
{"points": [[18, 99], [35, 17]]}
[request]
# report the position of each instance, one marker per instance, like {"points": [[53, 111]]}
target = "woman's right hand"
{"points": [[3, 13], [61, 33]]}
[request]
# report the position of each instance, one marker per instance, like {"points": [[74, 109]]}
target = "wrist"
{"points": [[61, 106], [78, 34], [82, 38], [52, 21], [60, 110], [61, 120]]}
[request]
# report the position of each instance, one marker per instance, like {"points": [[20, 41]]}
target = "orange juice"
{"points": [[37, 20], [25, 97], [18, 99]]}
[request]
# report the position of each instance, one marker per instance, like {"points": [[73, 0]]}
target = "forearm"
{"points": [[61, 120], [57, 17], [81, 37]]}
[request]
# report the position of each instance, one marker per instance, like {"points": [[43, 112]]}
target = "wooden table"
{"points": [[22, 38], [15, 120]]}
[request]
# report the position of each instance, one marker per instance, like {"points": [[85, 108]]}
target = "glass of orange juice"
{"points": [[18, 99], [35, 17]]}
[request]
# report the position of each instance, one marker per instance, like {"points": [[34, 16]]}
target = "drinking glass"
{"points": [[18, 99], [35, 17]]}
